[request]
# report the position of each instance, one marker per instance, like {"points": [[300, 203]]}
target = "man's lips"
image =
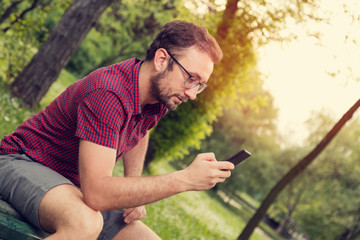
{"points": [[180, 100]]}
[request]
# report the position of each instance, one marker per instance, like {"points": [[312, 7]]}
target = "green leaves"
{"points": [[22, 31]]}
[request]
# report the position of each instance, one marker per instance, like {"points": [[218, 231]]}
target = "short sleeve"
{"points": [[100, 116]]}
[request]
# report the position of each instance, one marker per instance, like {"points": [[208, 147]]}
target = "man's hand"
{"points": [[134, 214], [205, 172]]}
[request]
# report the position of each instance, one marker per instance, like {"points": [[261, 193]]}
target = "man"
{"points": [[56, 168]]}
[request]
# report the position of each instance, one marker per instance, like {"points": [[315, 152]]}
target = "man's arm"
{"points": [[133, 162], [134, 159], [102, 191]]}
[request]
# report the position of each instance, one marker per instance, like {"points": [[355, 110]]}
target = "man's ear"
{"points": [[161, 60]]}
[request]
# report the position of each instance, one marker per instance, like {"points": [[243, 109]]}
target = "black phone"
{"points": [[239, 157]]}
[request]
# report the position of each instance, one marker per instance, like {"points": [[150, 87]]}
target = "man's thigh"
{"points": [[46, 198], [137, 231], [25, 182], [62, 208], [63, 212]]}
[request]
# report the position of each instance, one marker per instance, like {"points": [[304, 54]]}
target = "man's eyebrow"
{"points": [[196, 75]]}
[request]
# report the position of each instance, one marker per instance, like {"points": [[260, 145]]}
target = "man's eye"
{"points": [[193, 80]]}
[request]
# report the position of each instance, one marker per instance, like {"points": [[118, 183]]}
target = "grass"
{"points": [[196, 215], [190, 215]]}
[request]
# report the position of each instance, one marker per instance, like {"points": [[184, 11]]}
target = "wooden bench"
{"points": [[14, 227]]}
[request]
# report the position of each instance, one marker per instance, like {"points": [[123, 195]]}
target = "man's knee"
{"points": [[90, 222], [86, 225]]}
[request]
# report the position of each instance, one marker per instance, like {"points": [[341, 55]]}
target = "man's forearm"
{"points": [[134, 159], [102, 191], [127, 192], [134, 190]]}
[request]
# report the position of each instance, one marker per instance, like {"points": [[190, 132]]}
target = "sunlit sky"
{"points": [[319, 71], [298, 73]]}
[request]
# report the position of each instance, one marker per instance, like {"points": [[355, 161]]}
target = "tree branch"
{"points": [[8, 11], [21, 16]]}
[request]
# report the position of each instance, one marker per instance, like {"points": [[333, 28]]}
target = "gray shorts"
{"points": [[25, 182]]}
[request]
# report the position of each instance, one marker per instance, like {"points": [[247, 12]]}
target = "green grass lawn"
{"points": [[190, 215], [195, 215]]}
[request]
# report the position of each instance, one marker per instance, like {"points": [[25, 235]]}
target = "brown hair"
{"points": [[178, 34]]}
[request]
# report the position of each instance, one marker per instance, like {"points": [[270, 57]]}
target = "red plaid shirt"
{"points": [[103, 108]]}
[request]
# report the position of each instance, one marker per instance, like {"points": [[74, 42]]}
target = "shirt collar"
{"points": [[136, 90]]}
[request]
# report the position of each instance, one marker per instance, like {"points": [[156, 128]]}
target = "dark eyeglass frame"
{"points": [[202, 86]]}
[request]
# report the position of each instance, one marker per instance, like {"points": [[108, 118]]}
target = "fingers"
{"points": [[134, 214], [220, 172], [205, 172], [225, 165], [206, 156]]}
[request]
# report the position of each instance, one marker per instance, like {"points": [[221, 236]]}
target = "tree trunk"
{"points": [[353, 231], [227, 18], [284, 223], [350, 234], [291, 208], [294, 172], [44, 68]]}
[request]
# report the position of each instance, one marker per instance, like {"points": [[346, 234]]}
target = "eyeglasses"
{"points": [[191, 81]]}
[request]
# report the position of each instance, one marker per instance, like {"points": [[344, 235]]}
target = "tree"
{"points": [[36, 78], [294, 172], [331, 199], [241, 27]]}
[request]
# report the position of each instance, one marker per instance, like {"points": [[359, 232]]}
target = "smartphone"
{"points": [[239, 157]]}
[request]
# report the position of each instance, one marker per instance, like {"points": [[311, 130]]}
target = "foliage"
{"points": [[329, 190], [238, 34], [23, 30], [124, 31]]}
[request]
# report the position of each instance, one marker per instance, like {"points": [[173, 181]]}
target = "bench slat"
{"points": [[11, 228], [7, 209], [14, 226]]}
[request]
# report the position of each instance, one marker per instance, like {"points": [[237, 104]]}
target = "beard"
{"points": [[161, 90]]}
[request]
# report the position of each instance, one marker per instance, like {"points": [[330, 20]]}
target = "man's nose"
{"points": [[192, 92]]}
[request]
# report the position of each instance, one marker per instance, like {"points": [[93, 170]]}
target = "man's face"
{"points": [[161, 89], [168, 86]]}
